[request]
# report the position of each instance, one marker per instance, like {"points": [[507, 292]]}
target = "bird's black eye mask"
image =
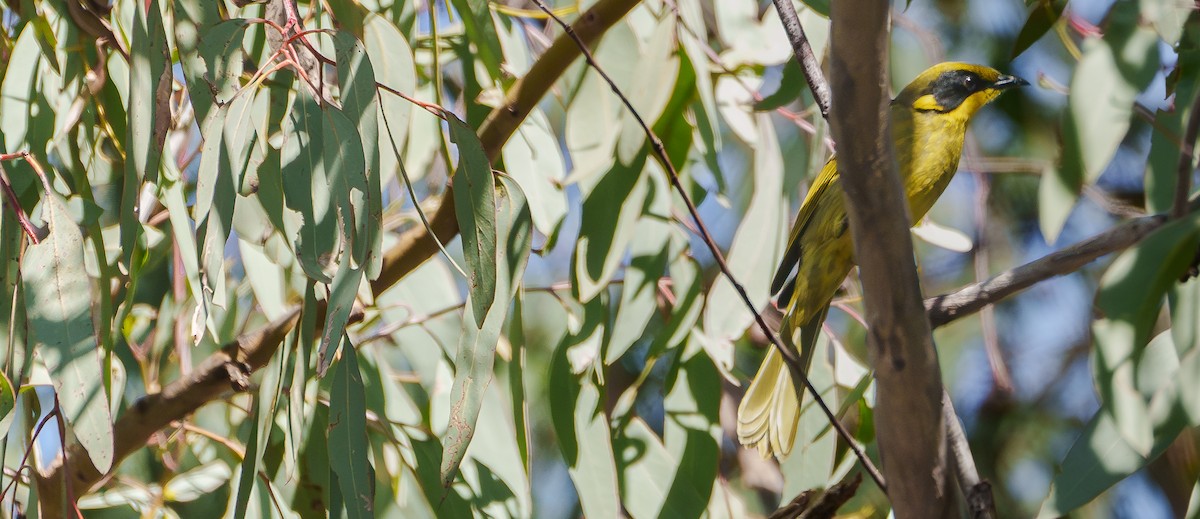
{"points": [[953, 87]]}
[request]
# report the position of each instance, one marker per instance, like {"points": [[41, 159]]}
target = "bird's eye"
{"points": [[969, 82]]}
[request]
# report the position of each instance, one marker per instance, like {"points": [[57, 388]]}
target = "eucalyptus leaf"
{"points": [[59, 298]]}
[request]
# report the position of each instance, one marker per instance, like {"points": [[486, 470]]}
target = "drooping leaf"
{"points": [[756, 246], [356, 76], [532, 158], [392, 60], [477, 344], [583, 436], [611, 209], [647, 263], [692, 431], [475, 207], [646, 470], [1042, 17], [1131, 293], [307, 189], [1101, 456], [478, 22], [197, 482], [1103, 90], [58, 294], [193, 21], [348, 436]]}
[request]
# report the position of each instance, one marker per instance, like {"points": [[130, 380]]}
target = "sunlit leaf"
{"points": [[583, 437], [475, 206], [357, 78], [477, 343], [347, 436], [58, 294], [611, 209]]}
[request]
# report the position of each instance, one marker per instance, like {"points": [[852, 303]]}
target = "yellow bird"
{"points": [[929, 122]]}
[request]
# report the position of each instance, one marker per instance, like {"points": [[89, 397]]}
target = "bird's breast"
{"points": [[927, 149]]}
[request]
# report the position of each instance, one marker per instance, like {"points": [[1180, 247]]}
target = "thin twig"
{"points": [[790, 358], [804, 54], [978, 492], [10, 197], [1187, 159]]}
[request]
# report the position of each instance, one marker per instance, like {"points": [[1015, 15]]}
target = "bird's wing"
{"points": [[826, 182]]}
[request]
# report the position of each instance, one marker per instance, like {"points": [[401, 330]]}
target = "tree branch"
{"points": [[972, 298], [1187, 159], [804, 54], [978, 492], [228, 369], [911, 433]]}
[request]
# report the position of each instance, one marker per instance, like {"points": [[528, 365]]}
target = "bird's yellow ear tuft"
{"points": [[927, 103]]}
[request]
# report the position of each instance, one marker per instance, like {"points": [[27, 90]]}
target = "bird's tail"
{"points": [[770, 411]]}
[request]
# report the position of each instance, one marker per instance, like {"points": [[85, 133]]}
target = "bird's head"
{"points": [[958, 89]]}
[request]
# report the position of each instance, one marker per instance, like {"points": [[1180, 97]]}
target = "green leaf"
{"points": [[307, 189], [1042, 17], [392, 60], [757, 245], [654, 76], [357, 79], [58, 297], [1101, 456], [611, 209], [342, 293], [576, 409], [262, 419], [497, 475], [1162, 166], [221, 49], [193, 21], [348, 436], [477, 344], [692, 432], [171, 195], [213, 212], [25, 113], [533, 159], [197, 482], [593, 120], [1130, 295], [1056, 199], [476, 16], [1168, 18], [791, 85], [149, 89], [639, 290], [475, 207], [646, 470], [1103, 90], [8, 403]]}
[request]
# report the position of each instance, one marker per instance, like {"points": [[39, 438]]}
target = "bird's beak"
{"points": [[1007, 82]]}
